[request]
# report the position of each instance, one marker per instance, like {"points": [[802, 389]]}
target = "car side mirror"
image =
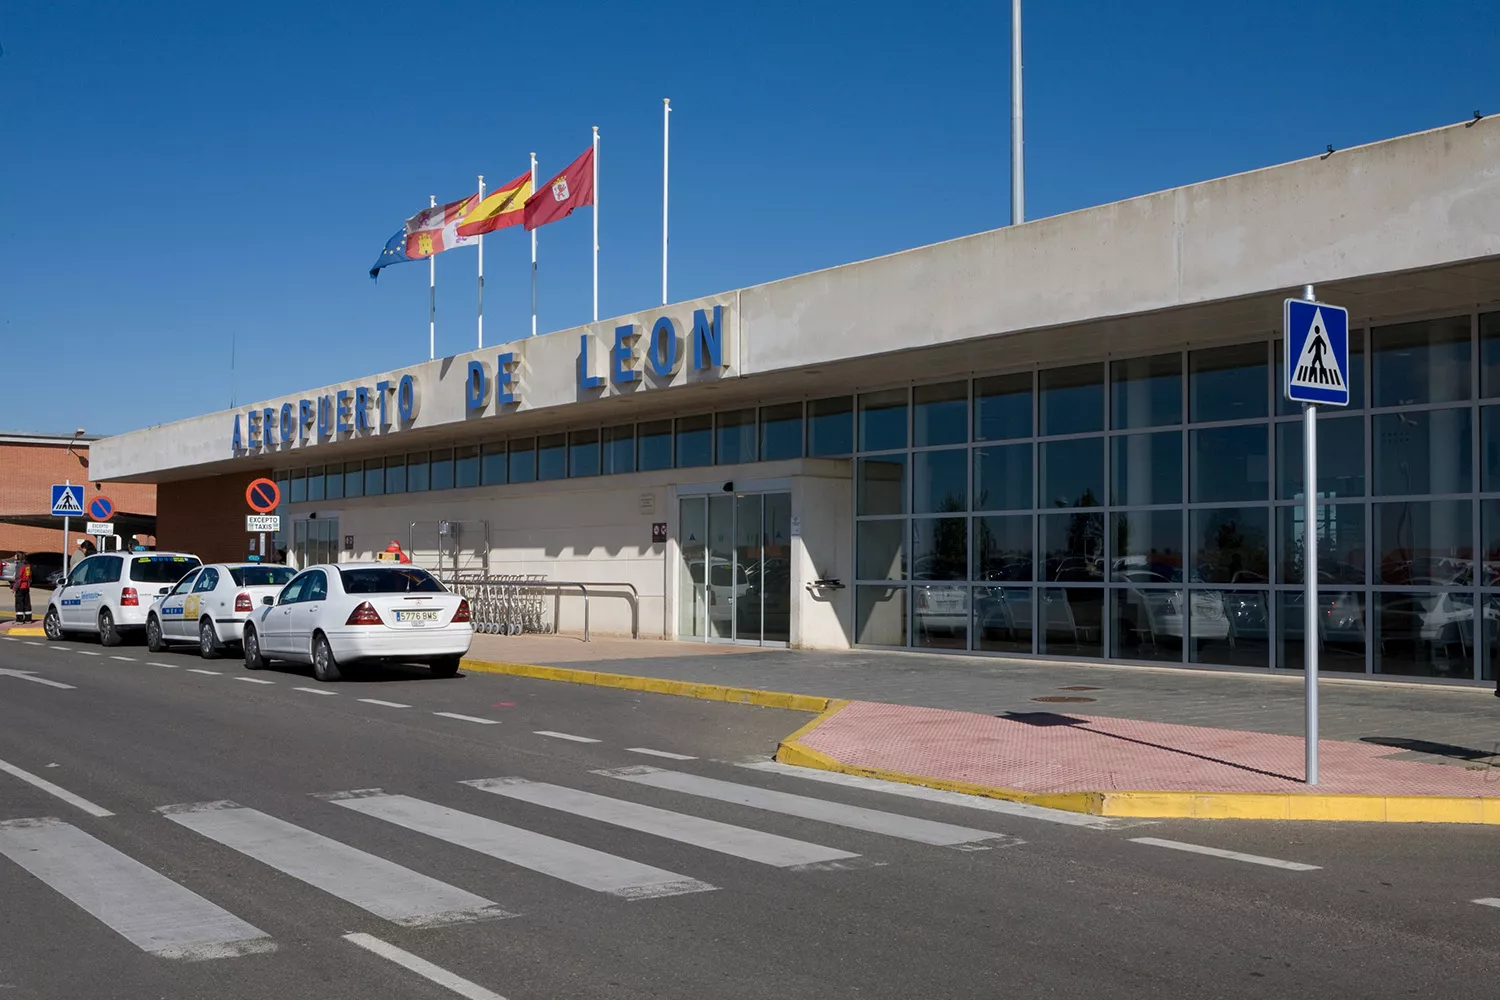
{"points": [[165, 590], [268, 600]]}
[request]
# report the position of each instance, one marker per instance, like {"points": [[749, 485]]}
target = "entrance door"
{"points": [[315, 541], [735, 577]]}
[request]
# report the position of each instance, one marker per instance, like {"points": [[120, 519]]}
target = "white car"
{"points": [[335, 615], [209, 605], [111, 592]]}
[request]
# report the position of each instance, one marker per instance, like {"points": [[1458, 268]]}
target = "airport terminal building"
{"points": [[1064, 439]]}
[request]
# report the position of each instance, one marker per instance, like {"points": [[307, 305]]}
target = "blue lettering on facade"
{"points": [[382, 390], [505, 379], [304, 417], [587, 380], [476, 387], [406, 398], [252, 428], [362, 408], [708, 339], [287, 431], [236, 445], [342, 399], [325, 416], [622, 370], [267, 424], [664, 352]]}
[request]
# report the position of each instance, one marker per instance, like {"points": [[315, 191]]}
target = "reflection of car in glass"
{"points": [[1154, 614], [1003, 613], [940, 609], [1449, 618], [726, 581]]}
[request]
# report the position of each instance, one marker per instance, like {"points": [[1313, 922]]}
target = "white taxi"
{"points": [[110, 593], [209, 606]]}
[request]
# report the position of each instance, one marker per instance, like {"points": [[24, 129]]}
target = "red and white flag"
{"points": [[573, 188], [435, 229]]}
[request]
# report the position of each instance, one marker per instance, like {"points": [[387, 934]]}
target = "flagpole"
{"points": [[533, 252], [431, 295], [1017, 145], [481, 267], [596, 223], [666, 146]]}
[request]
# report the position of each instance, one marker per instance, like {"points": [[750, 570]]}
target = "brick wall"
{"points": [[204, 516], [27, 472]]}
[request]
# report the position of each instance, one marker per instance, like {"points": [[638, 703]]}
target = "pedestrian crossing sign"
{"points": [[67, 500], [1317, 353]]}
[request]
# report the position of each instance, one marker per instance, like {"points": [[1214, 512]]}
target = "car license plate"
{"points": [[416, 616]]}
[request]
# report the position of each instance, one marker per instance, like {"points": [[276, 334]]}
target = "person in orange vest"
{"points": [[22, 587], [394, 554]]}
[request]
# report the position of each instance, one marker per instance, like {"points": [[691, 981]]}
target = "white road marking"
{"points": [[661, 753], [145, 908], [752, 845], [51, 789], [582, 866], [1254, 859], [386, 704], [155, 663], [254, 680], [422, 967], [564, 736], [87, 652], [1020, 809], [856, 817], [468, 718], [30, 643], [200, 670], [314, 690], [371, 883], [1488, 901], [30, 675], [127, 659]]}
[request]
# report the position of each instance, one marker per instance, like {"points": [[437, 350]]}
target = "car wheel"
{"points": [[154, 641], [253, 659], [444, 666], [108, 634], [325, 668], [208, 640], [52, 625]]}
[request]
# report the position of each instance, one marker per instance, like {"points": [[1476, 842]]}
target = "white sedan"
{"points": [[209, 605], [335, 615]]}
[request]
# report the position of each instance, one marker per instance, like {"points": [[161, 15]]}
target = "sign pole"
{"points": [[67, 523], [1310, 575]]}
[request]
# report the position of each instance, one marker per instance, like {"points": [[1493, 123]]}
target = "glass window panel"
{"points": [[940, 415], [619, 449], [1428, 451], [940, 481], [1426, 362], [1489, 420], [1340, 531], [1228, 383], [780, 432], [734, 436], [315, 483], [1231, 628], [1002, 477], [1073, 546], [695, 441], [1146, 392], [418, 472], [653, 444], [880, 616], [1072, 399], [395, 474], [1231, 545], [1070, 621], [333, 478], [552, 456], [297, 487], [940, 549], [882, 550], [1148, 547], [1356, 376], [1425, 543], [374, 477], [830, 427], [1003, 619], [1489, 355], [1424, 634], [1147, 624], [882, 485], [441, 477], [354, 479], [1341, 630], [583, 454], [940, 616], [1341, 458], [882, 420], [492, 464], [522, 460], [1489, 529], [1230, 463], [1146, 468], [1002, 547], [1072, 473], [1002, 407], [466, 466]]}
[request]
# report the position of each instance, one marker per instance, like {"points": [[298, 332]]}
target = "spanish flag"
{"points": [[500, 208]]}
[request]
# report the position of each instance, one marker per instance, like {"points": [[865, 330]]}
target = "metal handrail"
{"points": [[524, 585]]}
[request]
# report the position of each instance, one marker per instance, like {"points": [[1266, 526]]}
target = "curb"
{"points": [[23, 630]]}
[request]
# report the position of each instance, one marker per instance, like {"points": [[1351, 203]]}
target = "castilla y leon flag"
{"points": [[573, 188], [500, 208], [433, 230]]}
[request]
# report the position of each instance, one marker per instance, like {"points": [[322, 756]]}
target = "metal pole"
{"points": [[533, 251], [596, 223], [481, 269], [431, 295], [67, 523], [1310, 636], [666, 146], [1017, 147]]}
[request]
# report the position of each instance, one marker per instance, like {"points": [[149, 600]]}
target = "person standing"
{"points": [[22, 587]]}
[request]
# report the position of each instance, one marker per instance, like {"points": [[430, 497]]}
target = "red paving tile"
{"points": [[1065, 752]]}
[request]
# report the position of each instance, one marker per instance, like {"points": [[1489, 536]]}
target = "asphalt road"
{"points": [[328, 845]]}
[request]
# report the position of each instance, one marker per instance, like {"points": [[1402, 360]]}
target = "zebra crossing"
{"points": [[166, 918]]}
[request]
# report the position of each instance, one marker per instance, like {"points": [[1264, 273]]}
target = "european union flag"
{"points": [[394, 253]]}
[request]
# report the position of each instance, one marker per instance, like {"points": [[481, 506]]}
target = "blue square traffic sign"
{"points": [[1317, 353], [67, 501]]}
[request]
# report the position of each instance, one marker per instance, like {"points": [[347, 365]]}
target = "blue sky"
{"points": [[174, 173]]}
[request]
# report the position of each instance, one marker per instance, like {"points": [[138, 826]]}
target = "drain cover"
{"points": [[1078, 687], [1054, 699]]}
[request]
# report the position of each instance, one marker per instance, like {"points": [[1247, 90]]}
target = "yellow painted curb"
{"points": [[24, 631], [655, 685]]}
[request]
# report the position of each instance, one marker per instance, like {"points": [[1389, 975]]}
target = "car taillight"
{"points": [[365, 614], [462, 614], [242, 603], [129, 598]]}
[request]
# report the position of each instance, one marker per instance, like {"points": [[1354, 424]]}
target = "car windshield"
{"points": [[262, 576], [403, 580], [161, 569]]}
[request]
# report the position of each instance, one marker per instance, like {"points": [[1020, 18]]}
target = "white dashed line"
{"points": [[51, 789], [87, 652], [468, 718], [660, 753], [155, 663], [127, 659], [422, 967], [211, 673], [385, 704], [30, 643], [564, 736], [1254, 859], [315, 691], [253, 680], [1488, 901]]}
